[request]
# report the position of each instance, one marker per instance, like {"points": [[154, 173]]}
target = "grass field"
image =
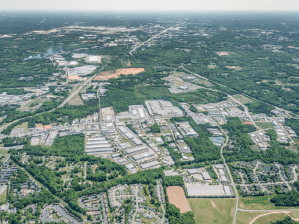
{"points": [[24, 125], [242, 99], [204, 82], [258, 203], [76, 100], [265, 125], [3, 196], [210, 211], [248, 217]]}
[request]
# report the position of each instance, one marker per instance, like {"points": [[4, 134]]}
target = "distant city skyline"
{"points": [[151, 5]]}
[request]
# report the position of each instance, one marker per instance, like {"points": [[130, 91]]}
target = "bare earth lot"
{"points": [[121, 71], [176, 196]]}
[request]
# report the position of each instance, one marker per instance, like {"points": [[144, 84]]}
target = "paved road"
{"points": [[135, 48], [76, 91], [250, 97], [245, 110]]}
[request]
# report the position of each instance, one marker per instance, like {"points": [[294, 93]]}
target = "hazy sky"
{"points": [[149, 5]]}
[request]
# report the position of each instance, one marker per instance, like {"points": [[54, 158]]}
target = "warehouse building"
{"points": [[135, 150], [152, 164], [206, 176], [141, 156], [164, 108]]}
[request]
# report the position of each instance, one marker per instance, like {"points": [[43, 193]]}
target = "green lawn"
{"points": [[258, 203], [264, 125], [247, 217], [242, 99], [3, 197], [210, 211], [23, 125]]}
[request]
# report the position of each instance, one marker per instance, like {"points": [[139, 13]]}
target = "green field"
{"points": [[247, 217], [3, 197], [24, 125], [213, 210], [242, 99], [264, 125], [258, 203]]}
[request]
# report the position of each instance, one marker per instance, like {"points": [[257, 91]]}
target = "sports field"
{"points": [[208, 211]]}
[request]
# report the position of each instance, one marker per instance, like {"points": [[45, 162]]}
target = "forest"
{"points": [[242, 148]]}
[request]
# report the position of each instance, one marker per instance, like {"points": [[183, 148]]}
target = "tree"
{"points": [[155, 128]]}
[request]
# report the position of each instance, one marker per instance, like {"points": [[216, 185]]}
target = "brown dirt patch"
{"points": [[121, 71], [76, 101], [176, 196], [247, 122]]}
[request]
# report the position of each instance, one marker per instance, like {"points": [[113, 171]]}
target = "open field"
{"points": [[204, 82], [265, 125], [210, 211], [242, 99], [177, 197], [76, 101], [259, 217], [24, 125], [3, 195], [258, 203], [121, 71]]}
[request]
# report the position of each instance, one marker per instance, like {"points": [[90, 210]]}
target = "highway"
{"points": [[135, 48], [76, 91], [61, 105], [250, 97]]}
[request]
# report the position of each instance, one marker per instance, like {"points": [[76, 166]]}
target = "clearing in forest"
{"points": [[121, 71], [176, 196]]}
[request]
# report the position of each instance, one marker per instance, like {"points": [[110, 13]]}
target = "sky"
{"points": [[150, 5]]}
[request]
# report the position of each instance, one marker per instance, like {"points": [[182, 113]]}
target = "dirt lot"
{"points": [[76, 101], [176, 196], [121, 71]]}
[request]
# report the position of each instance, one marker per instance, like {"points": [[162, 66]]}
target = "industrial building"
{"points": [[81, 71], [206, 176], [223, 179], [126, 132], [93, 59], [138, 112], [129, 135], [164, 108], [208, 190], [187, 130], [192, 171], [152, 164], [135, 150], [144, 155], [98, 145], [88, 96]]}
